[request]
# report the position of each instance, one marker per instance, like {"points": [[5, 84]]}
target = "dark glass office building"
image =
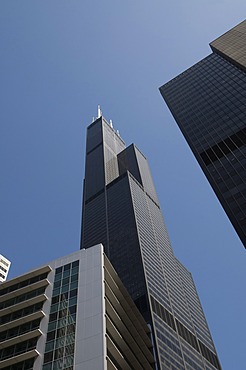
{"points": [[121, 211], [208, 102]]}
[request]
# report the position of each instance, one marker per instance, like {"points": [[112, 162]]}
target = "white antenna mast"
{"points": [[99, 112]]}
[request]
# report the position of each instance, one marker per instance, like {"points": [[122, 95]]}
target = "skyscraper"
{"points": [[208, 102], [72, 313], [121, 210]]}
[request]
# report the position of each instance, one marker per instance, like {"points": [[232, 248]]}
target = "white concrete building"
{"points": [[4, 268], [73, 313]]}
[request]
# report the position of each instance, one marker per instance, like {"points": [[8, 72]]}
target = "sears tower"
{"points": [[121, 210]]}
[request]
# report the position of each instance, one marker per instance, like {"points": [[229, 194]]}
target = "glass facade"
{"points": [[208, 103], [60, 341], [122, 212]]}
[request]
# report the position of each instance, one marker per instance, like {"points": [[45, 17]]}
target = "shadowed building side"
{"points": [[208, 104]]}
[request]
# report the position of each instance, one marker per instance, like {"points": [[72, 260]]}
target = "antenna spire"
{"points": [[99, 112]]}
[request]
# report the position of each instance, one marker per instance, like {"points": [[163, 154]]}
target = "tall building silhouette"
{"points": [[208, 102], [121, 210]]}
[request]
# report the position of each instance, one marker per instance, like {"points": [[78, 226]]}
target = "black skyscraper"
{"points": [[121, 210], [208, 101]]}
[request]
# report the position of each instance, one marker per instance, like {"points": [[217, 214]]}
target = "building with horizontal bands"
{"points": [[73, 313], [4, 268]]}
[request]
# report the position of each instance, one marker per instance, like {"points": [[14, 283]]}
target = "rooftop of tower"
{"points": [[110, 123]]}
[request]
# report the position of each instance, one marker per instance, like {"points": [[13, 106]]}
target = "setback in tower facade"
{"points": [[208, 102], [121, 210]]}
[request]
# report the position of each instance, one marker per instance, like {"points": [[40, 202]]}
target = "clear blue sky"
{"points": [[59, 59]]}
